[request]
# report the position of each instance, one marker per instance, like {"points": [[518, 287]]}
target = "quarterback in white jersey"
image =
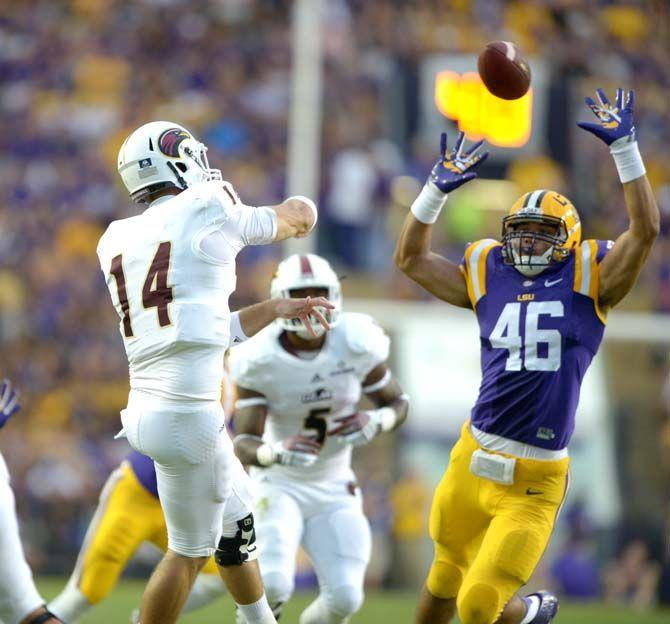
{"points": [[296, 421], [170, 271], [20, 602]]}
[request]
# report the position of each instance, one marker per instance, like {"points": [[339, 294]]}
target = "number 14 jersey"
{"points": [[538, 336], [170, 271]]}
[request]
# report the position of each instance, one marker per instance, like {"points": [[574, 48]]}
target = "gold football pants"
{"points": [[490, 537]]}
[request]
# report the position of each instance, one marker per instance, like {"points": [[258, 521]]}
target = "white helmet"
{"points": [[307, 271], [161, 154]]}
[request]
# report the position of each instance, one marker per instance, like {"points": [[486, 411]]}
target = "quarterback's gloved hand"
{"points": [[455, 168], [296, 451], [615, 122], [9, 402]]}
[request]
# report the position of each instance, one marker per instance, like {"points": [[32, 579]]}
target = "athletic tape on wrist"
{"points": [[627, 159], [428, 204]]}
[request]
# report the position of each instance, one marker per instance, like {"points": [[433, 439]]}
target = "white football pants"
{"points": [[18, 595], [328, 520], [202, 486]]}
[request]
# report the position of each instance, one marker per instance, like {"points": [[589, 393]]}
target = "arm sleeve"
{"points": [[257, 226], [237, 334]]}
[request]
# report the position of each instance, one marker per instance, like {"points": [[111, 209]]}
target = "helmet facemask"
{"points": [[297, 326], [302, 276], [520, 244]]}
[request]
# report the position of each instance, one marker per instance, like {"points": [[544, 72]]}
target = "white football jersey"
{"points": [[305, 395], [170, 271]]}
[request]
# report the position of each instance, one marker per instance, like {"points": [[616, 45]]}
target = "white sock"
{"points": [[70, 604], [318, 613], [533, 604], [207, 588], [258, 612]]}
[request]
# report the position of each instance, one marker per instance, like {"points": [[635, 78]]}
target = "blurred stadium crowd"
{"points": [[77, 76]]}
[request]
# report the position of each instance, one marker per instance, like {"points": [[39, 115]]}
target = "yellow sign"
{"points": [[479, 113]]}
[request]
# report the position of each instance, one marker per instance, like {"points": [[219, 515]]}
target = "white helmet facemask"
{"points": [[298, 272], [162, 154]]}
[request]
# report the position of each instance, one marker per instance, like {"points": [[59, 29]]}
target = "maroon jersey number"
{"points": [[120, 277], [155, 292], [161, 296]]}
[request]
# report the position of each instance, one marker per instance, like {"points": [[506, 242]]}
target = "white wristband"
{"points": [[237, 334], [311, 204], [265, 455], [627, 159], [428, 204], [386, 417]]}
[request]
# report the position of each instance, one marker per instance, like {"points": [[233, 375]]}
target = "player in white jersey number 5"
{"points": [[170, 271], [296, 420]]}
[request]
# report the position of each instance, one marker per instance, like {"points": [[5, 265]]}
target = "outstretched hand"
{"points": [[9, 402], [614, 121], [455, 168], [302, 309]]}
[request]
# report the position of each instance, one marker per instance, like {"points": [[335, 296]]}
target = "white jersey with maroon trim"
{"points": [[170, 271], [304, 396]]}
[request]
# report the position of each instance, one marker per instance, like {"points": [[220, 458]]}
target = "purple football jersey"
{"points": [[144, 470], [538, 336]]}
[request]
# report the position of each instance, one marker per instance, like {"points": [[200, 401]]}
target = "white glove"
{"points": [[361, 427], [297, 450]]}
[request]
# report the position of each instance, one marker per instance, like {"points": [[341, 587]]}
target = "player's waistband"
{"points": [[496, 443]]}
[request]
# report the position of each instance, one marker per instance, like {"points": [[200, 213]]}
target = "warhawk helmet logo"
{"points": [[170, 140]]}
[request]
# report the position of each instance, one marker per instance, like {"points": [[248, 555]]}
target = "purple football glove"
{"points": [[9, 402], [456, 168], [616, 122]]}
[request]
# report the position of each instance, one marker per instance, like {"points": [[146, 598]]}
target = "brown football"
{"points": [[503, 70]]}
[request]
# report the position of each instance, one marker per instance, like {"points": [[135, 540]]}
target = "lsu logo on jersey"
{"points": [[170, 140]]}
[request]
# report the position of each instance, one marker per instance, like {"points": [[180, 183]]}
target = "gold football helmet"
{"points": [[559, 229]]}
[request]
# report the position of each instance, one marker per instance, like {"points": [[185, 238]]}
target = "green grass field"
{"points": [[380, 607]]}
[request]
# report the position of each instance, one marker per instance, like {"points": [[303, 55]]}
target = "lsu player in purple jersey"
{"points": [[20, 602], [541, 297], [129, 512]]}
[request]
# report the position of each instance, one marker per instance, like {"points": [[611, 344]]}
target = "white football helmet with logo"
{"points": [[161, 154], [307, 271]]}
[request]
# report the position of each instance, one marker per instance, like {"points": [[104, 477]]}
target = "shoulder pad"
{"points": [[362, 333], [249, 360]]}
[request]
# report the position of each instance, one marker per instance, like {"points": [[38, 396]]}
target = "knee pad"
{"points": [[345, 600], [479, 604], [240, 548], [444, 579]]}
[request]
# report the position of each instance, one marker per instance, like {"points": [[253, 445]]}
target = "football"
{"points": [[503, 70]]}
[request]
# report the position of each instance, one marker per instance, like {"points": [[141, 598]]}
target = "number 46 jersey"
{"points": [[538, 336], [304, 396], [170, 271]]}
